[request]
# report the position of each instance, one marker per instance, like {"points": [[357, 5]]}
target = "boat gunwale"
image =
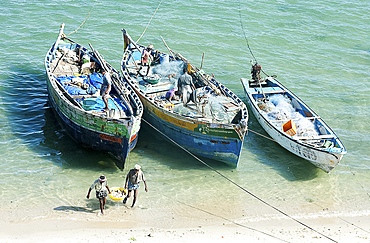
{"points": [[62, 93], [252, 101], [125, 59]]}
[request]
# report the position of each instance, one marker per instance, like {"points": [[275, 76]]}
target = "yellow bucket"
{"points": [[117, 193]]}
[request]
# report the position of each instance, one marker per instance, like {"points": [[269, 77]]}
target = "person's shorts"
{"points": [[132, 186], [103, 90], [149, 63], [101, 194]]}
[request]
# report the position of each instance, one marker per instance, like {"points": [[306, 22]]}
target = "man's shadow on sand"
{"points": [[91, 207]]}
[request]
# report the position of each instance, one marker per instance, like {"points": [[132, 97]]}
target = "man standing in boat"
{"points": [[105, 88], [133, 179], [256, 72], [146, 59], [101, 186], [185, 84]]}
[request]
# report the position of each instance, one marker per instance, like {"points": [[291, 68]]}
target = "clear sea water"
{"points": [[318, 49]]}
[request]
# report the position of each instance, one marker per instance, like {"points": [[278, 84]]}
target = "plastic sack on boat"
{"points": [[96, 79]]}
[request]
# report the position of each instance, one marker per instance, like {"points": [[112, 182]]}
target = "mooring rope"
{"points": [[263, 135], [237, 185], [245, 36], [229, 220], [149, 22], [88, 15], [80, 25], [246, 39]]}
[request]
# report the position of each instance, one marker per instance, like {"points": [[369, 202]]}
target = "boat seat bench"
{"points": [[326, 136], [269, 92]]}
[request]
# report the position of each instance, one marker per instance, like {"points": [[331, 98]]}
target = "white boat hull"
{"points": [[321, 159], [320, 156]]}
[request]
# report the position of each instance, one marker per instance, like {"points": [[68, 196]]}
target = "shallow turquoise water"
{"points": [[320, 51]]}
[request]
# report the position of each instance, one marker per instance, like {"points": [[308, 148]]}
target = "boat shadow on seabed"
{"points": [[270, 153], [65, 152]]}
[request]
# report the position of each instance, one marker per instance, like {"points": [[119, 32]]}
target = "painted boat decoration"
{"points": [[73, 84], [212, 125], [291, 123]]}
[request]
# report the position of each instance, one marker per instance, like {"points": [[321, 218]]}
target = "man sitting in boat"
{"points": [[171, 93], [87, 66], [146, 59], [105, 88], [185, 84]]}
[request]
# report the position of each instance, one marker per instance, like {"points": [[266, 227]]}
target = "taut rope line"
{"points": [[88, 15], [149, 21], [226, 219], [262, 135], [80, 25], [245, 36], [240, 187]]}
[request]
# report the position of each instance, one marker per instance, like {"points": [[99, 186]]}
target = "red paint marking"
{"points": [[110, 138]]}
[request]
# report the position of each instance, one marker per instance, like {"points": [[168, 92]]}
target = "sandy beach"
{"points": [[318, 49], [123, 224]]}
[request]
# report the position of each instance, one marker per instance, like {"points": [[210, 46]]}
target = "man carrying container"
{"points": [[133, 179]]}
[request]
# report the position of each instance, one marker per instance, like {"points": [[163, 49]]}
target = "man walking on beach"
{"points": [[133, 179], [101, 186]]}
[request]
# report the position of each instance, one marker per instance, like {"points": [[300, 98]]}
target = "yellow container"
{"points": [[290, 128], [169, 106], [117, 193]]}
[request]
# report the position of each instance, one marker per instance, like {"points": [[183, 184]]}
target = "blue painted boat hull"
{"points": [[212, 147]]}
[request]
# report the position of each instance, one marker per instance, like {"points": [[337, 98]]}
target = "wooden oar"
{"points": [[169, 49]]}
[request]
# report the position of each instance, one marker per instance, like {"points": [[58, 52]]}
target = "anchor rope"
{"points": [[245, 36], [263, 135], [80, 25], [229, 220], [88, 15], [246, 39], [237, 185], [149, 22]]}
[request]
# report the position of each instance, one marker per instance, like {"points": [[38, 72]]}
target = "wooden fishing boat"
{"points": [[212, 125], [74, 80], [291, 123]]}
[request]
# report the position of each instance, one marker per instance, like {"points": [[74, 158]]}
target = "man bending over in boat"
{"points": [[146, 59], [185, 84], [101, 186], [171, 93], [105, 88]]}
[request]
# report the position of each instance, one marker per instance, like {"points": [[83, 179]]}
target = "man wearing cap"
{"points": [[101, 186], [146, 58], [133, 179]]}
